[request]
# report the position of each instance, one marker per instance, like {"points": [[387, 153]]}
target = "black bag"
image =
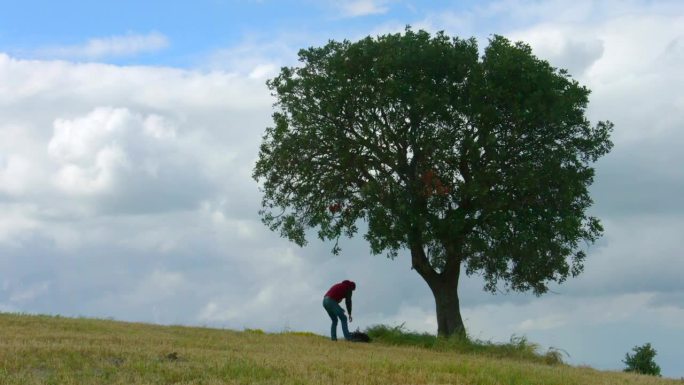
{"points": [[358, 336]]}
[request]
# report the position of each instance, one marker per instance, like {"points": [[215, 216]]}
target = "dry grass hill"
{"points": [[57, 350]]}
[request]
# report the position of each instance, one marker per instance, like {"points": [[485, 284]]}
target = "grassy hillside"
{"points": [[55, 350]]}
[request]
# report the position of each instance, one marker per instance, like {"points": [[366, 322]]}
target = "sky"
{"points": [[129, 131]]}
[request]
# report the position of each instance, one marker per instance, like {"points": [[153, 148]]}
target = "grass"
{"points": [[56, 350]]}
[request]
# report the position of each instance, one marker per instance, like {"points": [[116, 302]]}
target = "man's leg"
{"points": [[328, 305], [333, 329], [343, 317], [345, 329]]}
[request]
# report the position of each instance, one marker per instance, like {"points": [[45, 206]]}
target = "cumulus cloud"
{"points": [[125, 138], [130, 162], [116, 180], [107, 47]]}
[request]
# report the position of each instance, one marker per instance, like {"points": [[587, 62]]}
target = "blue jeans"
{"points": [[335, 311]]}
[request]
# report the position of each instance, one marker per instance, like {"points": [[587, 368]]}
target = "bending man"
{"points": [[331, 303]]}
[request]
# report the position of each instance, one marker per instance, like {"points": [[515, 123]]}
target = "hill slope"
{"points": [[55, 350]]}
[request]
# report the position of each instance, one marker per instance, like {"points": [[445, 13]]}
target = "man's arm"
{"points": [[348, 304]]}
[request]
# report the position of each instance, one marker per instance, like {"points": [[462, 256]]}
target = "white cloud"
{"points": [[107, 47], [15, 171], [573, 49], [17, 221], [109, 146], [256, 57], [132, 139], [356, 8], [263, 71], [412, 317], [30, 293], [211, 312], [159, 284]]}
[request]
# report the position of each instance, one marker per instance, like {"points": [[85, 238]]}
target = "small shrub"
{"points": [[523, 346], [517, 348], [642, 361], [554, 356], [398, 335]]}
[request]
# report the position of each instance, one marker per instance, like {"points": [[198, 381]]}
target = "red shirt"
{"points": [[341, 290]]}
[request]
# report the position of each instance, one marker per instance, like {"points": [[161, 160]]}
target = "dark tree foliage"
{"points": [[642, 361], [465, 161]]}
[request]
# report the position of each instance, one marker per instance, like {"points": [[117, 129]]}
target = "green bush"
{"points": [[518, 347], [642, 361], [399, 336]]}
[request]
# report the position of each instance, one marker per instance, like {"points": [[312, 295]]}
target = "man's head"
{"points": [[351, 283]]}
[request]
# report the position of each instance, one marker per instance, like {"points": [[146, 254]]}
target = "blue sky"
{"points": [[193, 31], [194, 28], [129, 130]]}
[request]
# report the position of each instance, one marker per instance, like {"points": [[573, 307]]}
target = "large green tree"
{"points": [[472, 163]]}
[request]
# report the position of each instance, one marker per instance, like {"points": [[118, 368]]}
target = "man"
{"points": [[331, 304]]}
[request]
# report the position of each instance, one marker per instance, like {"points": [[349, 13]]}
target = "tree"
{"points": [[471, 163], [642, 360]]}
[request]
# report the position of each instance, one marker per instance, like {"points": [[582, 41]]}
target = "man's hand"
{"points": [[350, 318]]}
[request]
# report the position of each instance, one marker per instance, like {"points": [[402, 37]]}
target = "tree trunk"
{"points": [[449, 321], [444, 287]]}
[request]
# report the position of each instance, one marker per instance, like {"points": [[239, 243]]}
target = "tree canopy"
{"points": [[465, 160]]}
